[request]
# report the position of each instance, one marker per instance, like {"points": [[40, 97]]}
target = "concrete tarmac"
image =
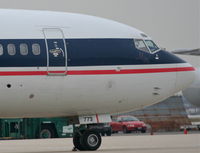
{"points": [[115, 144]]}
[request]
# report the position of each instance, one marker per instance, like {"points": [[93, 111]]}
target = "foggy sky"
{"points": [[173, 24]]}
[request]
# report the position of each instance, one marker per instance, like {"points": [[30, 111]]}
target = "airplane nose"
{"points": [[185, 75], [192, 93]]}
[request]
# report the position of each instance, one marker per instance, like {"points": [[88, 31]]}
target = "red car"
{"points": [[128, 124]]}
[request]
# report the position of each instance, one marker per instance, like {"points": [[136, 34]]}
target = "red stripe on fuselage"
{"points": [[98, 72], [128, 71]]}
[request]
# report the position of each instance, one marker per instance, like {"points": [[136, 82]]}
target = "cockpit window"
{"points": [[151, 45], [139, 44]]}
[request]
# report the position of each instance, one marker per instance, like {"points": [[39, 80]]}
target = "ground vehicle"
{"points": [[20, 128], [35, 128], [128, 124]]}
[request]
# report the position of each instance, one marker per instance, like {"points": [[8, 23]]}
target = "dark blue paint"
{"points": [[84, 52], [96, 52]]}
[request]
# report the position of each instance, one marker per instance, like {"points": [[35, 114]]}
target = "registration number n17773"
{"points": [[102, 118]]}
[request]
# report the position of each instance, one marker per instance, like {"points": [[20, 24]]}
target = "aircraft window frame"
{"points": [[144, 48], [152, 51], [23, 49], [36, 49], [1, 49], [11, 48]]}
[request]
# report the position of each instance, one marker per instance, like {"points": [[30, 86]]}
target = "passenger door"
{"points": [[56, 51]]}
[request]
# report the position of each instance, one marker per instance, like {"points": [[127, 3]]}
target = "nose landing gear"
{"points": [[87, 140]]}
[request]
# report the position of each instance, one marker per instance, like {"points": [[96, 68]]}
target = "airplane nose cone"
{"points": [[185, 75], [192, 93]]}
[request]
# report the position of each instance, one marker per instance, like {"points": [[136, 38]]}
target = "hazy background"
{"points": [[173, 24]]}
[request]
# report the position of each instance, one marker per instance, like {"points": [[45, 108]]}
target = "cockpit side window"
{"points": [[139, 44], [151, 45]]}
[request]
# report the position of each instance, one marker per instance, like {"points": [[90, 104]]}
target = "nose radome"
{"points": [[185, 76], [192, 93]]}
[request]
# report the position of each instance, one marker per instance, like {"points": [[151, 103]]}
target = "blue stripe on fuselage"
{"points": [[86, 52]]}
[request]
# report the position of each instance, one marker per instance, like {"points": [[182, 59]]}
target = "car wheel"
{"points": [[47, 132], [125, 130]]}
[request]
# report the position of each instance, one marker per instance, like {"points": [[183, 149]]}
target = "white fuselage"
{"points": [[81, 90], [48, 96]]}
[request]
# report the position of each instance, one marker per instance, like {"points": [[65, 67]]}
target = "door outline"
{"points": [[45, 31]]}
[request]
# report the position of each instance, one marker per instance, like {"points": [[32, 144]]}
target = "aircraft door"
{"points": [[56, 51]]}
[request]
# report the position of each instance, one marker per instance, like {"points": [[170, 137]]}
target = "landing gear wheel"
{"points": [[91, 140], [86, 141], [77, 141]]}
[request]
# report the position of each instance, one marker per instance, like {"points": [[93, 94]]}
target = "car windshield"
{"points": [[151, 45], [129, 118]]}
